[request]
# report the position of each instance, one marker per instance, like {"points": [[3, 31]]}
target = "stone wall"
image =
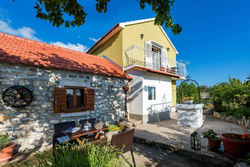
{"points": [[245, 122], [32, 126]]}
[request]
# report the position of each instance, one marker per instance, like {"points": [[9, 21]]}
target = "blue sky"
{"points": [[215, 37]]}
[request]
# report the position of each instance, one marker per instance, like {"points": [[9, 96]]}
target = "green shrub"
{"points": [[187, 91], [234, 91], [4, 140], [234, 96], [237, 112], [210, 134], [87, 155]]}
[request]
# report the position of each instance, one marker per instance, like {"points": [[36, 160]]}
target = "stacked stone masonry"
{"points": [[32, 126]]}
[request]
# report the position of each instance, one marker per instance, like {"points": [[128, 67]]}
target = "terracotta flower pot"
{"points": [[234, 146], [213, 145], [7, 152], [162, 68], [125, 88]]}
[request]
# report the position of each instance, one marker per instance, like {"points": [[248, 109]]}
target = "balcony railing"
{"points": [[136, 56]]}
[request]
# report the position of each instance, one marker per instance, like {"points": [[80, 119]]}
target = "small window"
{"points": [[151, 93], [80, 98], [73, 99], [70, 99]]}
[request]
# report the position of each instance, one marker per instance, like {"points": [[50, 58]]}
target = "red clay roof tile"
{"points": [[19, 50]]}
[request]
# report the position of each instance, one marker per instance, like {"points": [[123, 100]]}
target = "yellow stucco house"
{"points": [[145, 52]]}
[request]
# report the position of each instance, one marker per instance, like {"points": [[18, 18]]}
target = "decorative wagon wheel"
{"points": [[17, 96]]}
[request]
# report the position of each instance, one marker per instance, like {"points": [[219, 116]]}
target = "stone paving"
{"points": [[146, 156], [169, 133]]}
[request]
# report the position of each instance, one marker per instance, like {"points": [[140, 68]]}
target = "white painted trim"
{"points": [[169, 40], [123, 24], [157, 44]]}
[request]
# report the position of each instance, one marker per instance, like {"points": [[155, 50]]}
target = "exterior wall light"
{"points": [[142, 35]]}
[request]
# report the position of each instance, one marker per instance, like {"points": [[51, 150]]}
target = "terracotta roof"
{"points": [[156, 71], [19, 50]]}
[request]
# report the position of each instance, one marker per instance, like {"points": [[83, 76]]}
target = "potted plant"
{"points": [[126, 88], [188, 100], [236, 145], [163, 69], [213, 140], [6, 148]]}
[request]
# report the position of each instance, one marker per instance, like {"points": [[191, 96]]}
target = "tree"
{"points": [[71, 12], [248, 79], [204, 88], [187, 90]]}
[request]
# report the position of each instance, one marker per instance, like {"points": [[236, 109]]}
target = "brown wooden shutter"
{"points": [[60, 103], [90, 99]]}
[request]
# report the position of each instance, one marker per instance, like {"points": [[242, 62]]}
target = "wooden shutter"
{"points": [[164, 58], [90, 99], [148, 54], [60, 103]]}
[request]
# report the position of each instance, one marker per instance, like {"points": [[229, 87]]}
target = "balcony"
{"points": [[136, 56]]}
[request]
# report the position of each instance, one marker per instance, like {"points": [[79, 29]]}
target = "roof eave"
{"points": [[105, 38]]}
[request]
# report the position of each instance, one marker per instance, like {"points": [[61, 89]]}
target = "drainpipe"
{"points": [[126, 89]]}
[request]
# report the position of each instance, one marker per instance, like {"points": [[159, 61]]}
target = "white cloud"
{"points": [[25, 32], [77, 46], [93, 39]]}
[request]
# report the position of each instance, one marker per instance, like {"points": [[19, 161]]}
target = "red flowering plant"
{"points": [[245, 136]]}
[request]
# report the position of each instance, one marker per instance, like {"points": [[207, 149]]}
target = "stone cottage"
{"points": [[66, 85]]}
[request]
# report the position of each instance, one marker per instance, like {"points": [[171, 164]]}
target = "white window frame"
{"points": [[152, 86]]}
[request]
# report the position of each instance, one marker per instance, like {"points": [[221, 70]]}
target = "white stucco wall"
{"points": [[159, 108], [135, 94], [139, 105]]}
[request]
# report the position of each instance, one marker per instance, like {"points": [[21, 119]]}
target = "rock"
{"points": [[7, 82], [24, 82], [247, 125], [244, 121], [71, 76], [241, 164]]}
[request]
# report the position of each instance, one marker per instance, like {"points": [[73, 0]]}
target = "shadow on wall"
{"points": [[159, 112], [135, 91]]}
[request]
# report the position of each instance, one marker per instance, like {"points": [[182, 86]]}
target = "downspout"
{"points": [[126, 89]]}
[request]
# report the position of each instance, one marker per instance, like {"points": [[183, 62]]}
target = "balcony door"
{"points": [[155, 55], [156, 58]]}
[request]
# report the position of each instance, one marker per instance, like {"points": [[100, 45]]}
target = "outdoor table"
{"points": [[78, 134]]}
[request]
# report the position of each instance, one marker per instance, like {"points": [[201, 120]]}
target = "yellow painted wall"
{"points": [[173, 93], [112, 49], [132, 35]]}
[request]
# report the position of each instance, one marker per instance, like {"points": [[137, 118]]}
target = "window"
{"points": [[151, 93], [70, 99], [73, 99]]}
